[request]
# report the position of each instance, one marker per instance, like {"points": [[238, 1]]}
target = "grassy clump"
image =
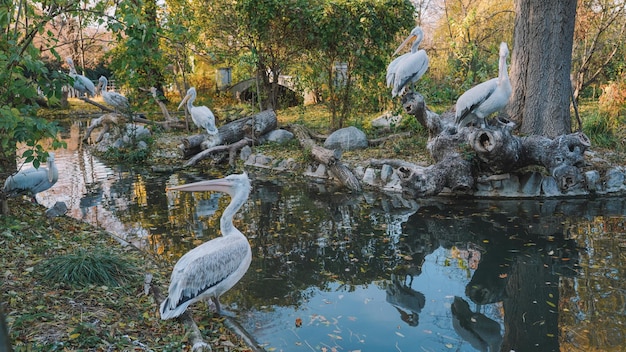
{"points": [[82, 268]]}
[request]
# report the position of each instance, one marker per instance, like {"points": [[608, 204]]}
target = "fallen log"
{"points": [[330, 158], [251, 127], [231, 149]]}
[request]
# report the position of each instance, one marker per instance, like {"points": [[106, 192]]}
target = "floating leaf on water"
{"points": [[551, 304]]}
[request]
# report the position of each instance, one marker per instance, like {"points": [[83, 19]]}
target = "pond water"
{"points": [[373, 272]]}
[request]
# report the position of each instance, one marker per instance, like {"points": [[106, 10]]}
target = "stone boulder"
{"points": [[349, 138]]}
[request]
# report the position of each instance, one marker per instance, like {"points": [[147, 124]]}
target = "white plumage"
{"points": [[81, 83], [114, 99], [485, 98], [408, 68], [201, 115], [32, 181], [214, 267]]}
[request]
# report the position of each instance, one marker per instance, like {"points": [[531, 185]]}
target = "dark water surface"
{"points": [[376, 272]]}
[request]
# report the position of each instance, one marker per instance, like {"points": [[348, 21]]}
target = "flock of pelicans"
{"points": [[214, 267], [473, 106]]}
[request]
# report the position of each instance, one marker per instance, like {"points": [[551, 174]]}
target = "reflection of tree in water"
{"points": [[525, 252]]}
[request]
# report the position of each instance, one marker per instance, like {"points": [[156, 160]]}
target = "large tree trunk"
{"points": [[540, 66]]}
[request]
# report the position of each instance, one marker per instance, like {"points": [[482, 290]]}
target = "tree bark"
{"points": [[464, 155], [251, 127], [540, 66], [330, 158]]}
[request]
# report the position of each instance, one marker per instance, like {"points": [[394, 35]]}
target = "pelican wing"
{"points": [[116, 100], [391, 69], [473, 98], [208, 270], [409, 70], [203, 117], [84, 85], [29, 181]]}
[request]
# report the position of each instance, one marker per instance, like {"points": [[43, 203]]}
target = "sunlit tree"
{"points": [[599, 40], [22, 73]]}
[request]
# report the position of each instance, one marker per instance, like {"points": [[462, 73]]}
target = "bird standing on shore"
{"points": [[81, 83], [201, 115], [214, 267], [114, 99], [33, 180]]}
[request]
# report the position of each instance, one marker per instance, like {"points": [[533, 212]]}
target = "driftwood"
{"points": [[470, 153], [231, 149], [195, 336], [330, 158], [248, 127], [112, 120]]}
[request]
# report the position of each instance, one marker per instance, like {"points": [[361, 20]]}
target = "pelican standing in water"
{"points": [[114, 99], [201, 115], [485, 98], [214, 267], [408, 68], [81, 83], [32, 181]]}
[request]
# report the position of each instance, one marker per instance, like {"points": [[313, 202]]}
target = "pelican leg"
{"points": [[218, 307]]}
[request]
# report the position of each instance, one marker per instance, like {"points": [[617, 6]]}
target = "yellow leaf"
{"points": [[74, 336]]}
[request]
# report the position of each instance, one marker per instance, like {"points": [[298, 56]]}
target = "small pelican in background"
{"points": [[485, 98], [81, 83], [201, 115], [114, 99], [32, 181], [213, 267], [408, 68]]}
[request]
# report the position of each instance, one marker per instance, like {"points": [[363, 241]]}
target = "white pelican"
{"points": [[81, 83], [408, 68], [201, 115], [213, 267], [32, 181], [115, 99], [485, 98]]}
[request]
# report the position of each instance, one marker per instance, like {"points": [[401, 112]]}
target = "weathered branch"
{"points": [[231, 149], [250, 127], [330, 158], [469, 154]]}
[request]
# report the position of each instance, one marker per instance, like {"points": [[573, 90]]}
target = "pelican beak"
{"points": [[220, 185], [408, 39], [184, 101]]}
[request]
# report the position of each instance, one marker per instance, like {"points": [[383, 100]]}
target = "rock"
{"points": [[58, 209], [614, 180], [279, 136], [386, 120], [549, 187], [592, 178], [349, 138], [245, 153]]}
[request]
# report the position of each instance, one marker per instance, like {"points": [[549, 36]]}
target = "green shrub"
{"points": [[83, 268]]}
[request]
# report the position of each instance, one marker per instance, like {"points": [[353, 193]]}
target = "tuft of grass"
{"points": [[83, 268]]}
